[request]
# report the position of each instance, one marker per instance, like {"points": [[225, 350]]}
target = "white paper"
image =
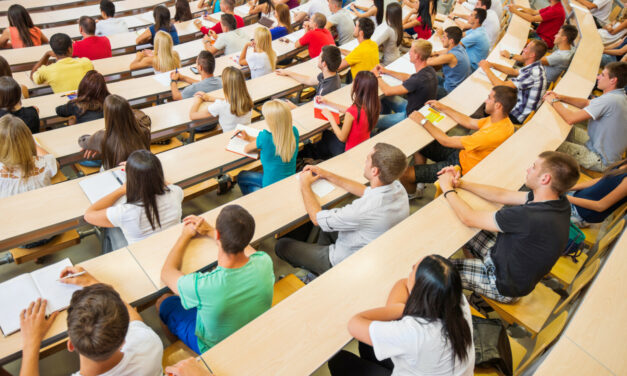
{"points": [[295, 36], [434, 116], [100, 185], [398, 65], [16, 294], [237, 145], [57, 293], [350, 45], [320, 187], [323, 106], [163, 78]]}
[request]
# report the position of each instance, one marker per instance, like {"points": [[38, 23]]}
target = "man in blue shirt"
{"points": [[476, 39]]}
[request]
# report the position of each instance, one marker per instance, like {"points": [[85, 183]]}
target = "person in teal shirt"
{"points": [[277, 148], [476, 39], [209, 307]]}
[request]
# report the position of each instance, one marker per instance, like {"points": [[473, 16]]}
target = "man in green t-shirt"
{"points": [[209, 307]]}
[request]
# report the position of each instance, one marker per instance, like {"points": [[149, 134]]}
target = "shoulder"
{"points": [[176, 191], [85, 61], [261, 258], [142, 341]]}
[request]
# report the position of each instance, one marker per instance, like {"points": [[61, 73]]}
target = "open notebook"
{"points": [[237, 145], [434, 116], [318, 107], [100, 185], [17, 293]]}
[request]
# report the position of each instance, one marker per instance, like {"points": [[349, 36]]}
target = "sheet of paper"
{"points": [[295, 36], [237, 145], [350, 45], [320, 187], [16, 294], [432, 115], [57, 293], [100, 185], [163, 78], [398, 65]]}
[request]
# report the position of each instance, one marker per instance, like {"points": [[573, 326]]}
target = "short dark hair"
{"points": [[60, 43], [207, 62], [10, 93], [539, 48], [487, 3], [454, 33], [230, 4], [367, 26], [97, 321], [481, 15], [107, 7], [235, 227], [563, 168], [618, 70], [320, 20], [390, 161], [506, 96], [229, 20], [570, 32], [332, 56], [87, 24]]}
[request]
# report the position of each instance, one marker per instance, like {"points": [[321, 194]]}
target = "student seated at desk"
{"points": [[604, 142], [11, 103], [374, 12], [290, 3], [314, 6], [183, 11], [90, 46], [261, 7], [161, 14], [316, 36], [150, 206], [530, 80], [391, 36], [614, 32], [228, 42], [108, 24], [24, 165], [425, 328], [613, 52], [520, 242], [206, 64], [475, 39], [341, 20], [89, 101], [495, 6], [162, 58], [21, 31], [465, 151], [211, 6], [419, 21], [453, 59], [600, 10], [491, 23], [67, 72], [419, 87], [209, 307], [549, 19], [262, 60], [235, 108], [108, 334], [226, 7], [366, 55], [346, 230], [284, 22], [5, 71]]}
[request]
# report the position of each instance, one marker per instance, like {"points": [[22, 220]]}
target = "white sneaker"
{"points": [[420, 191]]}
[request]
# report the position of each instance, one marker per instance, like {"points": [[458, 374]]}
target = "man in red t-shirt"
{"points": [[550, 18], [226, 6], [91, 46], [316, 36]]}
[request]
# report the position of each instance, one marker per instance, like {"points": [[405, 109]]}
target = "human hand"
{"points": [[485, 65], [200, 224], [550, 96], [33, 323], [83, 280], [320, 99], [416, 116], [316, 170], [89, 154], [435, 104], [147, 52], [244, 135], [187, 367], [455, 172], [281, 72], [505, 53], [307, 178], [174, 76]]}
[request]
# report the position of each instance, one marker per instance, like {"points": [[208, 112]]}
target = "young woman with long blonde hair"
{"points": [[263, 58], [235, 108], [162, 59], [277, 148]]}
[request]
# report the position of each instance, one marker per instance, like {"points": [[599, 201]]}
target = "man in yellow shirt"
{"points": [[465, 151], [67, 72], [366, 55]]}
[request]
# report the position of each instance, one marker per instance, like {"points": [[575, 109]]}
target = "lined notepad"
{"points": [[237, 145], [100, 185]]}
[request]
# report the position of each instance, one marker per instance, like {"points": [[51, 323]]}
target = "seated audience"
{"points": [[604, 142], [67, 72], [182, 11], [550, 19], [454, 61], [465, 151], [210, 6], [418, 87], [90, 46], [391, 36], [229, 41], [262, 60], [284, 22], [425, 328], [161, 14], [614, 32], [211, 306], [108, 334], [108, 24], [277, 148], [5, 71], [235, 108], [314, 6], [491, 24], [316, 36], [520, 242], [366, 55], [11, 103], [206, 64], [600, 10], [24, 165], [418, 21], [21, 31], [495, 6], [89, 101], [375, 12], [611, 53], [345, 230], [162, 58], [342, 21], [475, 39], [530, 80], [226, 7]]}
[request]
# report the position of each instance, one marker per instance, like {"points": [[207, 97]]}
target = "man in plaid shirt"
{"points": [[530, 80]]}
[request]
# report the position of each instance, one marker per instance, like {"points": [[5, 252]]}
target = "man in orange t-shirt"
{"points": [[465, 151]]}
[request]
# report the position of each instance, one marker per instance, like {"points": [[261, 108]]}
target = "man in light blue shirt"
{"points": [[476, 40]]}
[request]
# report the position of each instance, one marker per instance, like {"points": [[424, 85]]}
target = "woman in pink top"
{"points": [[361, 117], [21, 31]]}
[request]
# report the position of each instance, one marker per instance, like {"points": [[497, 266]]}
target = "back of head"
{"points": [[422, 48], [206, 61], [563, 168], [97, 322], [263, 40], [486, 3], [424, 11], [538, 48], [60, 44], [454, 33], [506, 96], [229, 21], [92, 92], [165, 58], [365, 96], [228, 4], [332, 56], [123, 134], [320, 20], [390, 161], [618, 70], [88, 25], [19, 18], [236, 92], [162, 16], [366, 26], [284, 17], [10, 93], [480, 15], [338, 3], [394, 18], [437, 296], [279, 119], [235, 227], [107, 7], [183, 11], [144, 182], [5, 68], [570, 32], [379, 4], [17, 147]]}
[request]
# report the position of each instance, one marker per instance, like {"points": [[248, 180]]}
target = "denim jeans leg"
{"points": [[249, 181]]}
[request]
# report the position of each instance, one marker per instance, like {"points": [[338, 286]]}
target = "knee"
{"points": [[160, 300], [280, 246], [408, 174]]}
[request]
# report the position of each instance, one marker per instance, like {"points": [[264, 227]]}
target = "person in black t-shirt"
{"points": [[419, 87], [520, 242], [89, 101], [11, 103]]}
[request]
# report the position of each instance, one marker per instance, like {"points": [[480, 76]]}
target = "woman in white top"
{"points": [[150, 205], [390, 35], [262, 60], [235, 108], [425, 328], [24, 165], [162, 58]]}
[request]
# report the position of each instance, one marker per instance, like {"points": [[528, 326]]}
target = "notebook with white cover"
{"points": [[17, 293], [163, 78], [100, 185], [295, 36], [237, 145], [320, 187]]}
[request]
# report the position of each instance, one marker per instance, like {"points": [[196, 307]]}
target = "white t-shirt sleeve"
{"points": [[50, 165], [145, 346], [221, 41], [393, 338], [115, 214], [218, 107], [178, 191]]}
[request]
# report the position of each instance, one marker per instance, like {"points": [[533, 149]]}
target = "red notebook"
{"points": [[318, 112]]}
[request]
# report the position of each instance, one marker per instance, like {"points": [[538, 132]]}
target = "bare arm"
{"points": [[303, 79], [351, 186], [485, 65], [461, 119], [442, 59], [571, 117], [359, 325], [340, 133], [43, 61], [587, 4], [312, 205], [494, 194], [141, 61], [143, 37], [435, 132], [96, 214], [606, 202], [171, 270]]}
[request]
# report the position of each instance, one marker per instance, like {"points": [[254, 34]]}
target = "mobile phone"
{"points": [[194, 70]]}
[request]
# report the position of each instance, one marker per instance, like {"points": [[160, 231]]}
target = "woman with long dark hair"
{"points": [[150, 206], [376, 11], [183, 11], [11, 103], [390, 36], [89, 101], [419, 21], [21, 31], [425, 328], [163, 22], [5, 71]]}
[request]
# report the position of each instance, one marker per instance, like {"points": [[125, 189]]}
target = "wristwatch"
{"points": [[554, 100], [511, 55], [423, 121]]}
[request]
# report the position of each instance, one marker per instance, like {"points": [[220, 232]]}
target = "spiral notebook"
{"points": [[237, 145]]}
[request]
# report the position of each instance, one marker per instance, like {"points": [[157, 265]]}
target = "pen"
{"points": [[118, 179], [72, 275], [235, 135]]}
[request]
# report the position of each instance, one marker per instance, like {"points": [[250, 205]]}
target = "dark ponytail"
{"points": [[144, 182]]}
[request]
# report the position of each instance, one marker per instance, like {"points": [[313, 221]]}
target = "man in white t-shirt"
{"points": [[491, 24], [496, 6], [109, 25], [600, 9], [230, 41], [315, 6], [108, 334], [343, 22]]}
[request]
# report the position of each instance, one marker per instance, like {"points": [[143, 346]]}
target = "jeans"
{"points": [[313, 257], [442, 92], [250, 181], [112, 239], [366, 364], [441, 155], [393, 110]]}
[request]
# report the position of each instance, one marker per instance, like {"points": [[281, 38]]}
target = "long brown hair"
{"points": [[365, 95], [161, 14], [92, 92], [20, 19], [5, 68], [17, 146], [236, 92], [183, 12], [394, 19], [10, 93], [123, 135], [283, 16], [144, 182]]}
